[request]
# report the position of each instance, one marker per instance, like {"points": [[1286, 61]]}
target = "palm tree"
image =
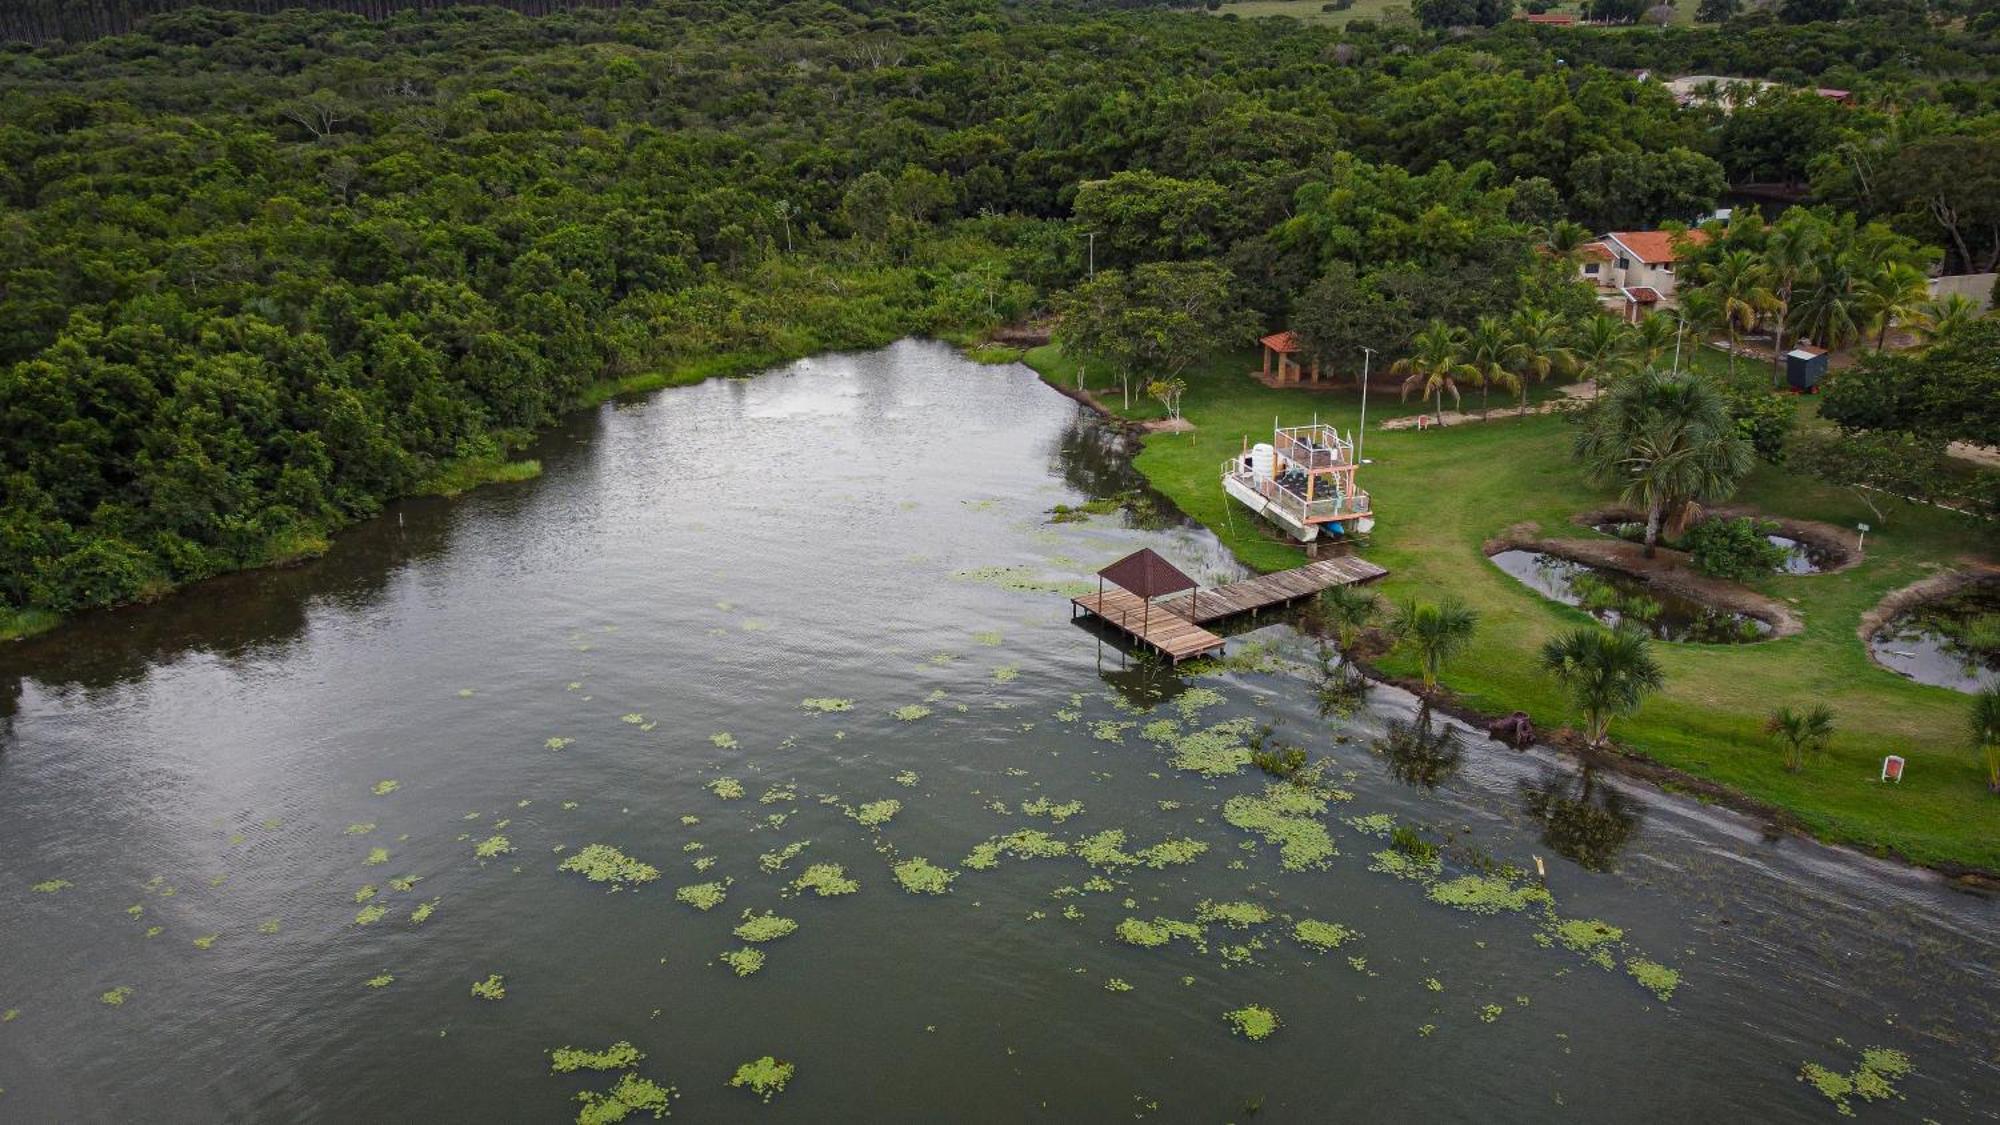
{"points": [[1894, 291], [1700, 314], [1608, 673], [1350, 610], [1603, 349], [1984, 724], [1653, 336], [1538, 348], [1565, 238], [1789, 250], [1826, 306], [1742, 294], [1666, 439], [1435, 365], [1941, 318], [1801, 734], [1434, 633], [1489, 351]]}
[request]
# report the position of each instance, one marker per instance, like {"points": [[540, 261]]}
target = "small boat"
{"points": [[1303, 481]]}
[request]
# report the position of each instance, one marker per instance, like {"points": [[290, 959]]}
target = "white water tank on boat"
{"points": [[1261, 456]]}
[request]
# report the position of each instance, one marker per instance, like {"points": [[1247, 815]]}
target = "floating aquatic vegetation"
{"points": [[1374, 824], [702, 896], [1216, 751], [1160, 730], [827, 706], [1490, 1012], [632, 1094], [764, 1077], [1117, 984], [745, 961], [10, 1015], [1194, 701], [756, 625], [1253, 1021], [1108, 730], [1235, 915], [492, 988], [376, 857], [558, 743], [1285, 816], [619, 1056], [1028, 843], [1403, 865], [906, 778], [1158, 932], [690, 821], [1433, 984], [634, 718], [1172, 852], [135, 910], [1057, 812], [382, 789], [1022, 579], [52, 886], [423, 912], [465, 693], [404, 882], [1006, 673], [911, 712], [117, 996], [727, 788], [493, 846], [1654, 977], [920, 876], [1589, 937], [827, 880], [155, 931], [602, 863], [1100, 883], [370, 914], [365, 893], [723, 740], [876, 813], [760, 928], [1322, 936], [361, 829], [1871, 1080], [206, 941], [1105, 849], [779, 794], [703, 863], [1487, 894], [774, 862]]}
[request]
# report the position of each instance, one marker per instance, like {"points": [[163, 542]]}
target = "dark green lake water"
{"points": [[869, 528]]}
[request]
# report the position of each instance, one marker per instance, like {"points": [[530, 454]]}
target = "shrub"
{"points": [[1735, 549]]}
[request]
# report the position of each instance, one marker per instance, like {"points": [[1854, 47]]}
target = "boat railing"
{"points": [[1295, 504], [1311, 450]]}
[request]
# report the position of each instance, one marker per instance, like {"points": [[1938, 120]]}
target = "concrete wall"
{"points": [[1974, 286]]}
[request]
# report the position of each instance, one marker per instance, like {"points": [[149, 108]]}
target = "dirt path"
{"points": [[1571, 393]]}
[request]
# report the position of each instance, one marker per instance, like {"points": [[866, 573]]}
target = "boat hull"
{"points": [[1249, 498]]}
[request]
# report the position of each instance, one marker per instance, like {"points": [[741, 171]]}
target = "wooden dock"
{"points": [[1173, 624]]}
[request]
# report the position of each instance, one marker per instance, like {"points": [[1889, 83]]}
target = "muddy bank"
{"points": [[1668, 570], [1916, 593]]}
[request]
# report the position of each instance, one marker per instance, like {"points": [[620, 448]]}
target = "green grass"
{"points": [[1439, 495], [471, 472], [16, 624], [1308, 11]]}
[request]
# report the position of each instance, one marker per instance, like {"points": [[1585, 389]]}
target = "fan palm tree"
{"points": [[1894, 291], [1538, 348], [1603, 349], [1433, 633], [1489, 352], [1984, 725], [1435, 365], [1801, 734], [1608, 673], [1940, 318], [1666, 439], [1739, 283], [1350, 610]]}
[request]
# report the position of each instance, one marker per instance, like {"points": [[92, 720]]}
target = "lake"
{"points": [[257, 811]]}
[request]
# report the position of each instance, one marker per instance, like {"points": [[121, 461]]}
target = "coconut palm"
{"points": [[1602, 349], [1984, 725], [1654, 337], [1539, 349], [1699, 314], [1566, 238], [1489, 352], [1801, 734], [1894, 291], [1940, 318], [1433, 633], [1740, 285], [1666, 440], [1826, 305], [1790, 249], [1608, 673], [1435, 365]]}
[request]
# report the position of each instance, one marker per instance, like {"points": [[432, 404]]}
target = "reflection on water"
{"points": [[1580, 818], [1951, 642], [1617, 599], [299, 814]]}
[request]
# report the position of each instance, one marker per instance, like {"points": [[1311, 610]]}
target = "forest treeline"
{"points": [[262, 273], [76, 21]]}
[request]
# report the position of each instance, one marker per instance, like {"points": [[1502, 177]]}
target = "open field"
{"points": [[1439, 495]]}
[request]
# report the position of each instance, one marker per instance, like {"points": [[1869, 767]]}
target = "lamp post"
{"points": [[1090, 241], [1367, 354]]}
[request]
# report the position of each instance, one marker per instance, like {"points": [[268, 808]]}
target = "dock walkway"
{"points": [[1173, 624]]}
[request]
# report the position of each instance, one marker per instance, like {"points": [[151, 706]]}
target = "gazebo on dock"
{"points": [[1136, 580], [1279, 348], [1146, 575]]}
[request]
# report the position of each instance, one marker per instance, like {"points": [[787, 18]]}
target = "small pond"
{"points": [[1801, 556], [1951, 642], [1615, 598]]}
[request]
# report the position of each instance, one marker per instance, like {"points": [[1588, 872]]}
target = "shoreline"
{"points": [[1624, 761]]}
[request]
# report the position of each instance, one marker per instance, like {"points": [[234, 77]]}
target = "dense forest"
{"points": [[263, 272]]}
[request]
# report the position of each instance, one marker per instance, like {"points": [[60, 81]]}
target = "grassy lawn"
{"points": [[1309, 11], [1439, 495]]}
